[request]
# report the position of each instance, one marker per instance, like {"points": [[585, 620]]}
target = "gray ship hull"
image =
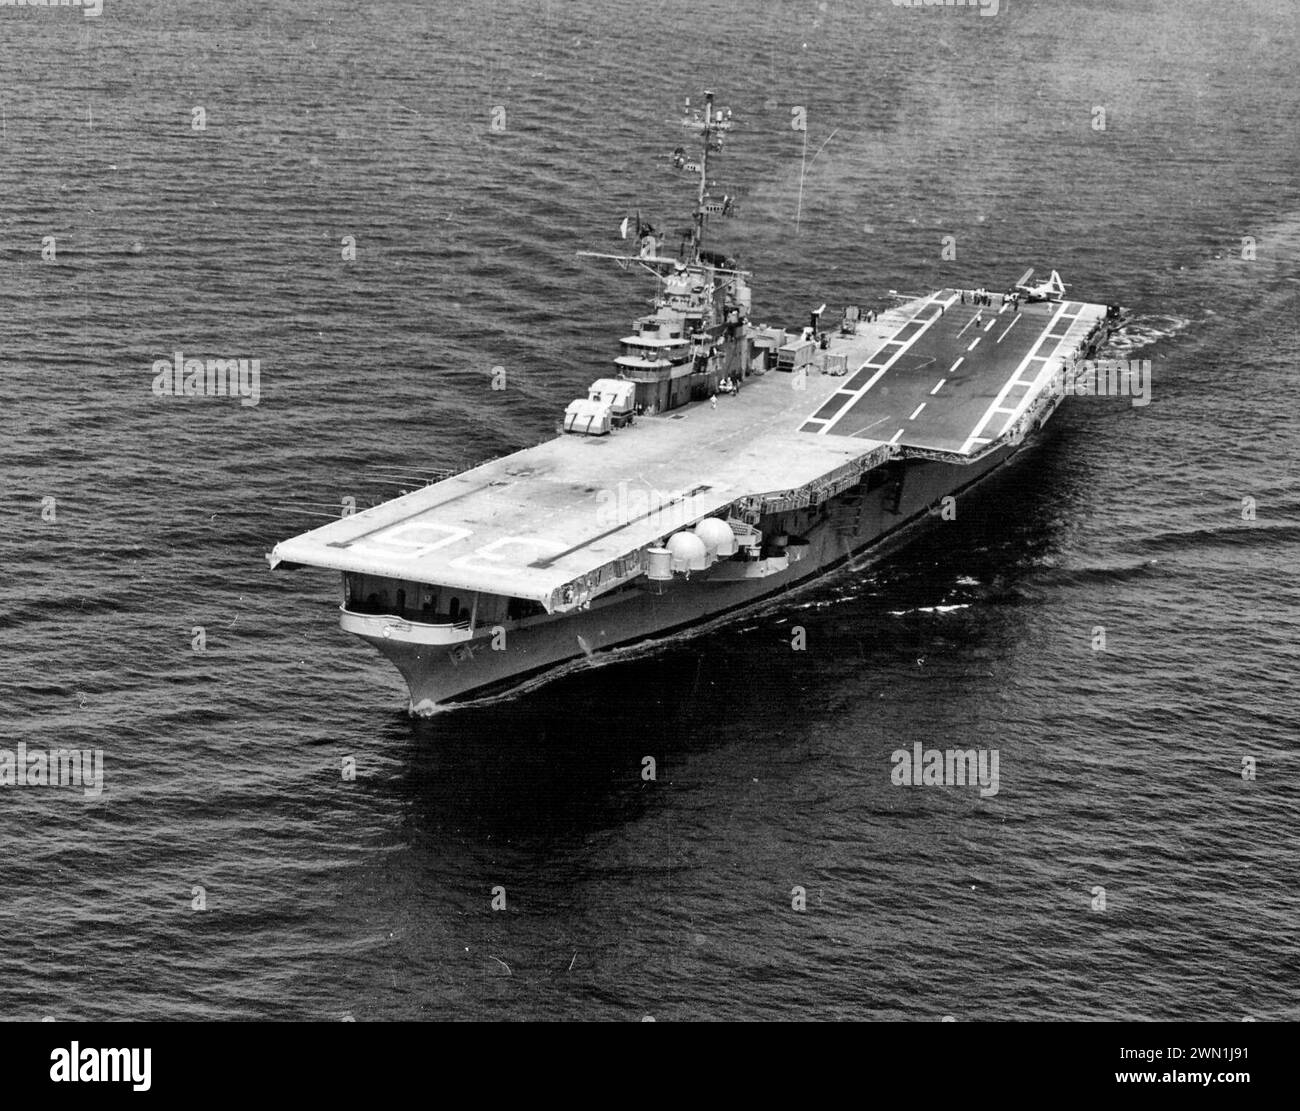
{"points": [[865, 531]]}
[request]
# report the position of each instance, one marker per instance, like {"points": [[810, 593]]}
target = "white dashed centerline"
{"points": [[890, 360], [958, 363], [973, 343], [938, 387], [917, 413], [896, 436]]}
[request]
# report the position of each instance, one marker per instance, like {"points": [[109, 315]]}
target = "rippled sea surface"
{"points": [[127, 234]]}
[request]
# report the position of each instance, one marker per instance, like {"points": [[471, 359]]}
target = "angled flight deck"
{"points": [[954, 377]]}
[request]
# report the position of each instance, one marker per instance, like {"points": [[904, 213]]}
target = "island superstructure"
{"points": [[716, 464]]}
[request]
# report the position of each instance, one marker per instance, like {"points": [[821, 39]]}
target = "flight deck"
{"points": [[933, 377], [954, 376]]}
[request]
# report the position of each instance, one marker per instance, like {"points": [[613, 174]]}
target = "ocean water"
{"points": [[1172, 528]]}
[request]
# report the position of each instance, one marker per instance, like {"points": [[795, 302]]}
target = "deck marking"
{"points": [[1024, 364], [973, 343], [487, 558], [855, 394], [896, 436], [989, 326], [408, 517], [868, 427], [903, 346], [405, 537], [546, 561], [938, 387], [957, 364], [1009, 327], [917, 413]]}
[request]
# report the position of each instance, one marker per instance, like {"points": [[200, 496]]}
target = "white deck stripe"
{"points": [[938, 387], [1047, 360], [957, 364], [1009, 327], [917, 413], [905, 344], [988, 413]]}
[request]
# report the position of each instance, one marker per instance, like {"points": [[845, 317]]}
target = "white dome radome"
{"points": [[688, 552], [717, 536]]}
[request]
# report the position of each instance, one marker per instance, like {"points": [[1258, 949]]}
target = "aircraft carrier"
{"points": [[717, 464]]}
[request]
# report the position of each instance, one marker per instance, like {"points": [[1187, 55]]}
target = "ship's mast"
{"points": [[697, 236], [712, 127]]}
